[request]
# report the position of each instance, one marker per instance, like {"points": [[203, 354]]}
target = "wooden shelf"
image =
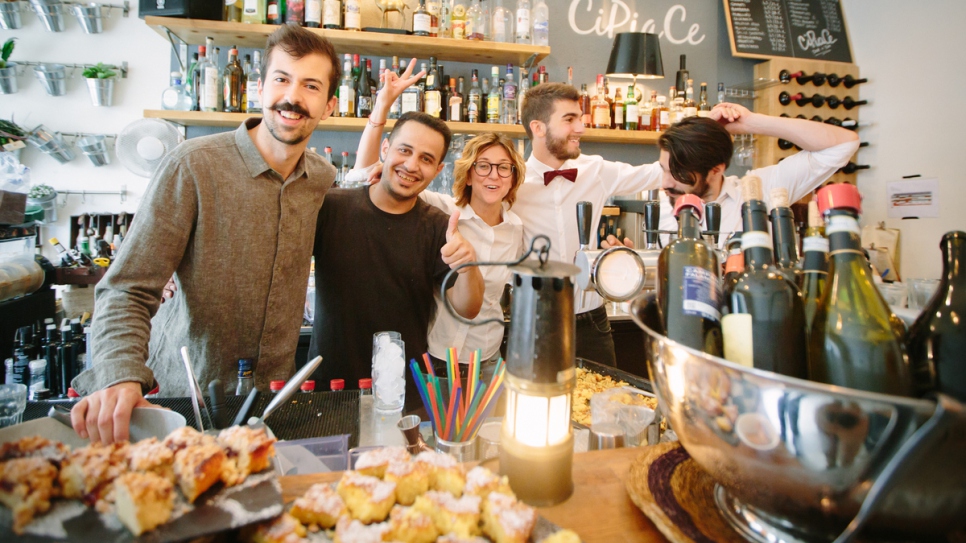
{"points": [[194, 31], [351, 124]]}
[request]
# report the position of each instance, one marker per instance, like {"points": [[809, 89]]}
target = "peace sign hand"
{"points": [[394, 84]]}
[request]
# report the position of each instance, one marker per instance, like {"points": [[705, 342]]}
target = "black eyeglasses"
{"points": [[504, 170]]}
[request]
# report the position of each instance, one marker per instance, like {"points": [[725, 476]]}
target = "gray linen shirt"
{"points": [[238, 239]]}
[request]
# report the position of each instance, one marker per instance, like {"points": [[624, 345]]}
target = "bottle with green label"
{"points": [[814, 262], [688, 270]]}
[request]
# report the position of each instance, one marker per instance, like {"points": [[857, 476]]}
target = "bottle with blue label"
{"points": [[688, 269]]}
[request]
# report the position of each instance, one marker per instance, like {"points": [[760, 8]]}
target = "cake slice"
{"points": [[26, 487], [35, 446], [408, 525], [481, 481], [506, 520], [374, 462], [151, 455], [143, 501], [283, 529], [353, 531], [411, 478], [197, 468], [368, 499], [186, 436], [320, 505], [445, 473], [460, 516], [249, 451], [88, 473]]}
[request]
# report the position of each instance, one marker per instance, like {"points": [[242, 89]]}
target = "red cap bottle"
{"points": [[337, 384], [276, 385], [308, 386], [839, 196], [689, 200]]}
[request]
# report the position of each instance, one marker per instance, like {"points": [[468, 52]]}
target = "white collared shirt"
{"points": [[800, 173], [552, 209], [500, 243]]}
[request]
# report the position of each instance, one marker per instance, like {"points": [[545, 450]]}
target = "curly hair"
{"points": [[462, 191]]}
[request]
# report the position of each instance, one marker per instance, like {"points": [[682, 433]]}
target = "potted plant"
{"points": [[100, 82], [8, 70], [12, 138], [46, 197]]}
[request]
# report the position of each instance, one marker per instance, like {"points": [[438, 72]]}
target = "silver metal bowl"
{"points": [[795, 460]]}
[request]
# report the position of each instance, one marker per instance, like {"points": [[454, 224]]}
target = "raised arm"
{"points": [[809, 135], [368, 152]]}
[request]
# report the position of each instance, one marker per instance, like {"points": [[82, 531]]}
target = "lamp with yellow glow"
{"points": [[537, 439]]}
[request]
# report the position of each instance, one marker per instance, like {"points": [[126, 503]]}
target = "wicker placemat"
{"points": [[678, 496]]}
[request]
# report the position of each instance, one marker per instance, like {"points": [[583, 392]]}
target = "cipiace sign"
{"points": [[811, 29]]}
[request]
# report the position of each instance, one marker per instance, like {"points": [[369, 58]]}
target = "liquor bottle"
{"points": [[783, 233], [458, 20], [734, 267], [617, 111], [246, 69], [852, 167], [344, 168], [937, 340], [474, 22], [445, 21], [67, 357], [721, 93], [688, 271], [295, 12], [681, 79], [273, 12], [675, 107], [522, 91], [353, 15], [51, 350], [475, 96], [509, 115], [631, 111], [234, 10], [220, 94], [493, 98], [212, 78], [234, 79], [523, 22], [501, 23], [853, 343], [599, 112], [433, 7], [347, 90], [690, 106], [647, 108], [254, 12], [246, 377], [421, 20], [814, 262], [584, 105], [193, 81], [455, 102], [313, 13], [541, 23], [364, 97], [332, 14], [704, 108], [175, 97], [661, 115], [850, 81], [765, 328], [432, 97], [253, 100]]}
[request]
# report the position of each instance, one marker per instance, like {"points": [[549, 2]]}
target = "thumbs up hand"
{"points": [[457, 250]]}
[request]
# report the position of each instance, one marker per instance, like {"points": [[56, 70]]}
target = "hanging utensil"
{"points": [[290, 387], [197, 400]]}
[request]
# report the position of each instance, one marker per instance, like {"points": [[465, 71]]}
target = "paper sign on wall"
{"points": [[914, 198]]}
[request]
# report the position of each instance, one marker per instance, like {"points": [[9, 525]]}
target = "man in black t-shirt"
{"points": [[381, 253]]}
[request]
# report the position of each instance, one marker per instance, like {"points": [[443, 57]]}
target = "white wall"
{"points": [[124, 39], [910, 53]]}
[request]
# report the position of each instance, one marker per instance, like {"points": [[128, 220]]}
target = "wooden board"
{"points": [[806, 29], [767, 151], [225, 34], [352, 124], [599, 510]]}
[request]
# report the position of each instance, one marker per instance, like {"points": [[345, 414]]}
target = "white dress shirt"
{"points": [[500, 243], [552, 209], [800, 173]]}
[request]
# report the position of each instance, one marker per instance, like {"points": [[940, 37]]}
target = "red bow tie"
{"points": [[570, 175]]}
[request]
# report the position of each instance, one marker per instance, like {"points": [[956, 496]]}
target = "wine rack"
{"points": [[767, 149]]}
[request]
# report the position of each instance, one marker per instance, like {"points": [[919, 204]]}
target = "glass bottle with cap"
{"points": [[276, 385], [308, 386], [814, 262], [366, 407], [246, 377], [336, 385]]}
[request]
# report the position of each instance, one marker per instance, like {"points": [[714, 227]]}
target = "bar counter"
{"points": [[599, 509]]}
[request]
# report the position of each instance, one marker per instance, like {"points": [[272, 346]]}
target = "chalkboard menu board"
{"points": [[811, 29]]}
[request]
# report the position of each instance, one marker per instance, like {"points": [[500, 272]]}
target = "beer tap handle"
{"points": [[585, 214], [712, 212], [652, 221]]}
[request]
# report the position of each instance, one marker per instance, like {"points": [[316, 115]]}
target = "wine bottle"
{"points": [[688, 268], [852, 342], [848, 102], [734, 266], [783, 234], [800, 99], [364, 97], [937, 340], [765, 327], [834, 81], [852, 167], [814, 262]]}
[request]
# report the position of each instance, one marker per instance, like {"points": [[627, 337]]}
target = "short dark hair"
{"points": [[298, 42], [538, 102], [695, 146], [425, 119]]}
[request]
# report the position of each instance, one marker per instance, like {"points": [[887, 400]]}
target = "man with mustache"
{"points": [[694, 155], [233, 217]]}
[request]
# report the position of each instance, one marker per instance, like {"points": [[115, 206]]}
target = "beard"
{"points": [[700, 188], [558, 148], [277, 132]]}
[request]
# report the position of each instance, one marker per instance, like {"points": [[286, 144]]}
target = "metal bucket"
{"points": [[102, 90], [51, 13], [90, 16], [95, 148], [52, 144], [10, 15], [8, 79], [53, 77]]}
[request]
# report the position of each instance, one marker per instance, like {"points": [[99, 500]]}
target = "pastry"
{"points": [[445, 473], [460, 516], [506, 520], [249, 451], [563, 536], [408, 525], [34, 446], [353, 531], [186, 436], [26, 487], [198, 468], [150, 455], [283, 529], [481, 481], [367, 498], [320, 505], [411, 478], [143, 500], [374, 462], [88, 472]]}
